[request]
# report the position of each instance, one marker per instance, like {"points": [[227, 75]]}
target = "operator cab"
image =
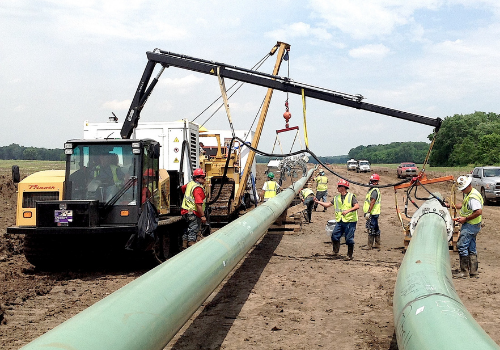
{"points": [[115, 173]]}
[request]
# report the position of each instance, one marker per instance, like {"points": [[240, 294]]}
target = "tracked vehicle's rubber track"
{"points": [[221, 210], [47, 250]]}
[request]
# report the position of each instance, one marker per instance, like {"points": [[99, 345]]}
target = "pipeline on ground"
{"points": [[428, 314], [148, 312]]}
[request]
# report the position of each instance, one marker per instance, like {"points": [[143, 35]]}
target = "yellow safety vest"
{"points": [[116, 180], [376, 206], [346, 205], [306, 192], [466, 211], [188, 202], [271, 189], [322, 182]]}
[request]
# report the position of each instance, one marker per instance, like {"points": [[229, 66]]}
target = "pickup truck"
{"points": [[487, 181], [407, 169]]}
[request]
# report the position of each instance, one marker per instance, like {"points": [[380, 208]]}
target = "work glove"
{"points": [[367, 216]]}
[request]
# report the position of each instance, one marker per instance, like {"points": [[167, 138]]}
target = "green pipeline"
{"points": [[428, 314], [147, 313]]}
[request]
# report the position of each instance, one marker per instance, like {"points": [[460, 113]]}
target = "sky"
{"points": [[63, 62]]}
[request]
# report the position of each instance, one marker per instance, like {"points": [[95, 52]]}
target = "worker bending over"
{"points": [[307, 197]]}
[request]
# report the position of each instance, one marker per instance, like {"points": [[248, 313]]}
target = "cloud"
{"points": [[370, 51], [117, 105], [362, 19], [299, 30], [184, 84]]}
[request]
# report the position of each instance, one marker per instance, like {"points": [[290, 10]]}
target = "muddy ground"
{"points": [[288, 293]]}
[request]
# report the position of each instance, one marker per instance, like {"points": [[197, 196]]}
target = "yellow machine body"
{"points": [[40, 186]]}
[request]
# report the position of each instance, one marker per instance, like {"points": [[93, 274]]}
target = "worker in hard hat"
{"points": [[346, 214], [107, 177], [193, 207], [371, 208], [471, 210], [307, 197], [149, 185], [321, 188], [270, 188]]}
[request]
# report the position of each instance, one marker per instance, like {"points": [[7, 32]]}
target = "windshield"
{"points": [[492, 172], [364, 163], [409, 165], [98, 172]]}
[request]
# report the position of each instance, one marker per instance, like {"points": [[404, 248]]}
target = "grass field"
{"points": [[31, 166]]}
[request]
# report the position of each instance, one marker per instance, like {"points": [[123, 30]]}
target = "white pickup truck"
{"points": [[487, 181]]}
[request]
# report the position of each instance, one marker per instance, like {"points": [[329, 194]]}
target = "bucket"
{"points": [[330, 225]]}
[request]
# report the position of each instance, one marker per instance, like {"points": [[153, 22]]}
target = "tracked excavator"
{"points": [[99, 217]]}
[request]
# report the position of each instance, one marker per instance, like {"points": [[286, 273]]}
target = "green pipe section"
{"points": [[148, 312], [428, 314]]}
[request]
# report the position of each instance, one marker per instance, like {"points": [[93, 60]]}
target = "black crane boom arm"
{"points": [[167, 59]]}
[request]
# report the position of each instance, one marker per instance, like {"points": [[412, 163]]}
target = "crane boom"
{"points": [[167, 59]]}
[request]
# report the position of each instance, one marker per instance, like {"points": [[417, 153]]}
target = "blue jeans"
{"points": [[466, 244], [346, 229], [321, 196], [372, 226], [194, 224], [309, 203]]}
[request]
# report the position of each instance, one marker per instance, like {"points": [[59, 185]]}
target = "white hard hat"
{"points": [[463, 181]]}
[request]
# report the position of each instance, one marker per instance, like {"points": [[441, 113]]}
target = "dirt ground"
{"points": [[288, 293]]}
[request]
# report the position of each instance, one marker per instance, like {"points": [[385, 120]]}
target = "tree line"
{"points": [[463, 139], [17, 152], [467, 139], [395, 152]]}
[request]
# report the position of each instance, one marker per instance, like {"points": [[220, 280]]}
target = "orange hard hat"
{"points": [[343, 182], [149, 172], [199, 172]]}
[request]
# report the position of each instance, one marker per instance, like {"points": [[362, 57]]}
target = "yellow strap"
{"points": [[223, 91], [305, 124], [428, 153]]}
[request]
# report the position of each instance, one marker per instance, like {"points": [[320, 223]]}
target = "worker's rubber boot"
{"points": [[184, 244], [370, 242], [350, 251], [336, 248], [473, 266], [377, 242], [464, 268]]}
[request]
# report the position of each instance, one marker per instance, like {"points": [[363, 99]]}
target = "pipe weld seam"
{"points": [[421, 298]]}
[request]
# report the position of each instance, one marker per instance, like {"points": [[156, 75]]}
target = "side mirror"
{"points": [[476, 176], [154, 150], [16, 176]]}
